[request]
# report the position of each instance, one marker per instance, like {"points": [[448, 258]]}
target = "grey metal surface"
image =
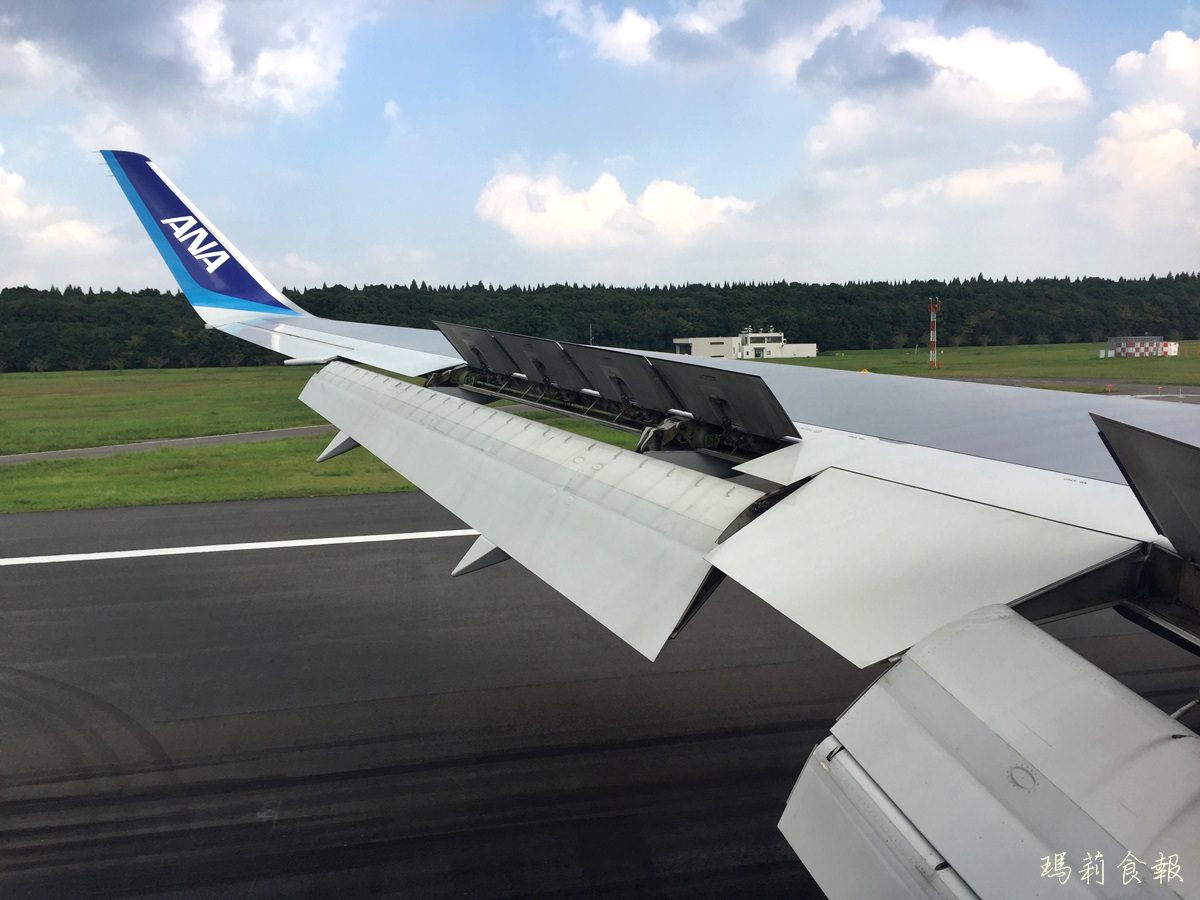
{"points": [[340, 443], [871, 566], [1049, 754], [1087, 503], [481, 554], [1045, 429], [479, 348], [1165, 475], [716, 466], [406, 351], [541, 360], [714, 395], [621, 536], [855, 842], [621, 375]]}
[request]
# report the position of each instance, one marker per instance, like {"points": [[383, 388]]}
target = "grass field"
{"points": [[1030, 362], [59, 410], [284, 468], [62, 410]]}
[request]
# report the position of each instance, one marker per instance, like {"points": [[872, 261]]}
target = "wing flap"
{"points": [[1057, 496], [870, 566], [1049, 754], [620, 535]]}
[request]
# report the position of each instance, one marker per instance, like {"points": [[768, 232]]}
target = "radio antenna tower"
{"points": [[934, 305]]}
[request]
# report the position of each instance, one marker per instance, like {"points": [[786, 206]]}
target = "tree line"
{"points": [[73, 328]]}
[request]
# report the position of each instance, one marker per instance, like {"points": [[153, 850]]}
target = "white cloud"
{"points": [[847, 45], [1169, 73], [293, 71], [27, 74], [678, 213], [782, 56], [546, 213], [204, 38], [102, 127], [174, 71], [1129, 204], [1035, 167], [780, 35], [845, 130], [39, 237], [980, 74], [625, 39], [397, 128], [709, 16], [296, 269], [1143, 172]]}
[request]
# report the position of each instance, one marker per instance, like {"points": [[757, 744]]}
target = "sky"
{"points": [[680, 141]]}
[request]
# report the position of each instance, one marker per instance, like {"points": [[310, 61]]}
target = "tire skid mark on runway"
{"points": [[351, 819], [229, 548], [136, 795], [105, 748]]}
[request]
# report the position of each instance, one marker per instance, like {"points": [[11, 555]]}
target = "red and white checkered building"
{"points": [[1142, 345]]}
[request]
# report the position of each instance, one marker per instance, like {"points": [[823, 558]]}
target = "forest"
{"points": [[73, 328]]}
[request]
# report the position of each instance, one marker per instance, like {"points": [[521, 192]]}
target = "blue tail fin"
{"points": [[218, 281]]}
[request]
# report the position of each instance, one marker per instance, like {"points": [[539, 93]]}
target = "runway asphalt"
{"points": [[349, 721]]}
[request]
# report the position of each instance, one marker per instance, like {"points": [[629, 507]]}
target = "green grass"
{"points": [[61, 410], [1031, 362], [58, 410], [284, 468]]}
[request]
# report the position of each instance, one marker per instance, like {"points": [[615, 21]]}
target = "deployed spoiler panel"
{"points": [[543, 361], [716, 395], [738, 401]]}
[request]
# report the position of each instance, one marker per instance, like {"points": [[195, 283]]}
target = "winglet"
{"points": [[1165, 476], [220, 283]]}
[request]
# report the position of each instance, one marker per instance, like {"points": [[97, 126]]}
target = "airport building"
{"points": [[1140, 345], [750, 344]]}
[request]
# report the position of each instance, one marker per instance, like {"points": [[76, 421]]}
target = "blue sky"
{"points": [[697, 140]]}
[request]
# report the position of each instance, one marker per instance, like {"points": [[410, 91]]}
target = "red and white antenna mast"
{"points": [[934, 305]]}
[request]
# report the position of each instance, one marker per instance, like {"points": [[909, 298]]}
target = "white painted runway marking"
{"points": [[228, 548]]}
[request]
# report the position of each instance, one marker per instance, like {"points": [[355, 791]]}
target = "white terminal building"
{"points": [[750, 344]]}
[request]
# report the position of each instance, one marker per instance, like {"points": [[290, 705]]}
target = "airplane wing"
{"points": [[928, 523]]}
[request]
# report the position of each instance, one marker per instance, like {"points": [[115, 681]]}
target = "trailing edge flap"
{"points": [[870, 566], [1049, 753], [1083, 502], [1165, 475], [621, 536], [483, 553]]}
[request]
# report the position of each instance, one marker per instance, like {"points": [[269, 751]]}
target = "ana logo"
{"points": [[211, 255]]}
